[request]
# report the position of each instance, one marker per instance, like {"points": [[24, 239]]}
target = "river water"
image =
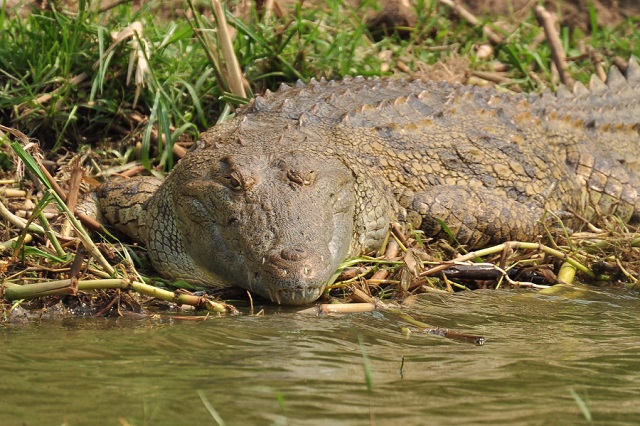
{"points": [[288, 368]]}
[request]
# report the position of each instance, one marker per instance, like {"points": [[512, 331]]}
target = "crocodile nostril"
{"points": [[293, 254]]}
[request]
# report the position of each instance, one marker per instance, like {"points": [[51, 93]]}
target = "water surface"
{"points": [[288, 368]]}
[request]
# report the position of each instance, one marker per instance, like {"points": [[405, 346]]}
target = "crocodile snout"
{"points": [[294, 275], [293, 254], [290, 264]]}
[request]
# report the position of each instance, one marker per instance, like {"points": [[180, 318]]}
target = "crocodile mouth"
{"points": [[287, 286], [290, 277], [289, 296]]}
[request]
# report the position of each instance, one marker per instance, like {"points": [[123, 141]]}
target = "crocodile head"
{"points": [[277, 225]]}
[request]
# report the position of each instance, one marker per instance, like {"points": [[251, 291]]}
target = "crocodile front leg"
{"points": [[138, 208], [123, 203], [477, 217]]}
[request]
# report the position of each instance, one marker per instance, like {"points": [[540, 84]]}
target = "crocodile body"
{"points": [[274, 199]]}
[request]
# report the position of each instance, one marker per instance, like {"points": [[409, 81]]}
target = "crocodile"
{"points": [[300, 179]]}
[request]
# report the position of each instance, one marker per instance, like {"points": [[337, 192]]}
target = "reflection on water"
{"points": [[286, 368]]}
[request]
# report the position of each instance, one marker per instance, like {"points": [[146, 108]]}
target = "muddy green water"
{"points": [[286, 368]]}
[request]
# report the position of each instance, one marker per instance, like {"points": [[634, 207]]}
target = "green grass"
{"points": [[42, 53]]}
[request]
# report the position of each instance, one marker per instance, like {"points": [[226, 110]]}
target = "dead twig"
{"points": [[232, 66], [63, 287], [470, 17], [493, 77], [110, 6], [43, 99], [557, 52], [18, 221], [74, 190]]}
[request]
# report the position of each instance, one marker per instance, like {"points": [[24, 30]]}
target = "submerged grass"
{"points": [[152, 77], [583, 404]]}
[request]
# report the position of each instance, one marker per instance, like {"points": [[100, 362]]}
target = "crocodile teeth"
{"points": [[293, 296], [274, 295]]}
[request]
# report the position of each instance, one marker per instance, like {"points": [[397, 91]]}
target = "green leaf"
{"points": [[30, 163]]}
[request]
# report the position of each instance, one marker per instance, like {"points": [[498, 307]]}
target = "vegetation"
{"points": [[66, 82], [138, 83]]}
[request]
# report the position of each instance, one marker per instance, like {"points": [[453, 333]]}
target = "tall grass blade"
{"points": [[30, 163], [164, 135], [148, 130]]}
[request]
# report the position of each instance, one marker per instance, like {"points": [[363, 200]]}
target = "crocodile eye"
{"points": [[295, 176], [238, 182], [234, 181], [230, 172]]}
